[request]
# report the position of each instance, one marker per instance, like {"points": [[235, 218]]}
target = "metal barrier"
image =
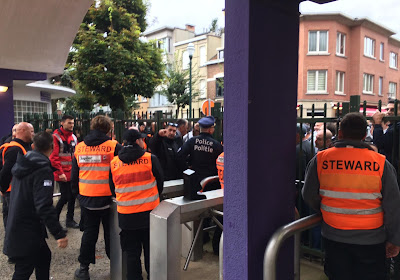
{"points": [[276, 241], [166, 231]]}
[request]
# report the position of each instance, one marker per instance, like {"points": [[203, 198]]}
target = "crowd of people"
{"points": [[350, 177], [94, 171]]}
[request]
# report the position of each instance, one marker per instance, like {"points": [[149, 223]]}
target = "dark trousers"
{"points": [[91, 226], [40, 262], [66, 197], [354, 262], [132, 242], [6, 202]]}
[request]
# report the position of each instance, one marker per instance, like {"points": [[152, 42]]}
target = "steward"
{"points": [[356, 191]]}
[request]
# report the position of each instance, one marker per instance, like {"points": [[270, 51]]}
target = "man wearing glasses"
{"points": [[165, 145]]}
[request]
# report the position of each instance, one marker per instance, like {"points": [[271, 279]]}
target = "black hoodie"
{"points": [[94, 138], [31, 206], [140, 220]]}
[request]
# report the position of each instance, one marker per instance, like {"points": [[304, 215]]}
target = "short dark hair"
{"points": [[67, 117], [43, 141], [354, 126], [332, 127], [181, 122], [101, 123]]}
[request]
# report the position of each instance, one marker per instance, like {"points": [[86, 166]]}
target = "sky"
{"points": [[176, 13]]}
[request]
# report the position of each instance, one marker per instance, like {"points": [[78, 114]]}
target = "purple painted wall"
{"points": [[7, 77], [260, 118]]}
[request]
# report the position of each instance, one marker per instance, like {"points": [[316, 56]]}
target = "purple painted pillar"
{"points": [[7, 77], [259, 134]]}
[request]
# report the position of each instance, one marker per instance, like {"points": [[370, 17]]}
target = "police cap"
{"points": [[207, 122], [132, 135]]}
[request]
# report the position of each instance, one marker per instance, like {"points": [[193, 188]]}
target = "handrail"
{"points": [[208, 180], [276, 241]]}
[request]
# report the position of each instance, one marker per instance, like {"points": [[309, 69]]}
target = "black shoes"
{"points": [[72, 224], [82, 273]]}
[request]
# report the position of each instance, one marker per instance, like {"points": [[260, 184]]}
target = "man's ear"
{"points": [[340, 135], [33, 146]]}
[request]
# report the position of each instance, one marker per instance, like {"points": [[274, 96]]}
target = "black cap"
{"points": [[131, 135]]}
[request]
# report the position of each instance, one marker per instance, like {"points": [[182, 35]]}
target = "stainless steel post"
{"points": [[116, 271], [221, 257]]}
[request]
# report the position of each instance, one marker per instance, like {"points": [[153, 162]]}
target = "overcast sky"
{"points": [[176, 13]]}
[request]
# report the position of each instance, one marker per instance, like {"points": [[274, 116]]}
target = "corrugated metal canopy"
{"points": [[37, 35]]}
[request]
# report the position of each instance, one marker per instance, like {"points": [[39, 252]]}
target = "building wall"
{"points": [[354, 63], [214, 71]]}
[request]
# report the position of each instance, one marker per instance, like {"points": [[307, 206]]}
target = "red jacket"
{"points": [[63, 151]]}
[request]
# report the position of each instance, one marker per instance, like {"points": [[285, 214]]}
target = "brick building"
{"points": [[340, 56]]}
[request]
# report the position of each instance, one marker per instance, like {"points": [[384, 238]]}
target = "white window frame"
{"points": [[340, 76], [185, 60], [369, 47], [382, 52], [203, 55], [380, 88], [393, 60], [368, 83], [317, 51], [392, 94], [340, 40], [316, 91]]}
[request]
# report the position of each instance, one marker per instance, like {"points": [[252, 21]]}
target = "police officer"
{"points": [[356, 191], [138, 180], [202, 151], [91, 172]]}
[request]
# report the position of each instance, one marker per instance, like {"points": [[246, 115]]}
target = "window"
{"points": [[202, 88], [219, 87], [368, 84], [340, 43], [392, 90], [158, 100], [381, 50], [317, 113], [221, 54], [316, 81], [369, 47], [27, 107], [185, 60], [380, 86], [318, 41], [203, 56], [393, 60], [164, 44], [339, 82]]}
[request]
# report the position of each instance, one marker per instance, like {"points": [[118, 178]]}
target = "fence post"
{"points": [[345, 108], [355, 103], [216, 112], [159, 116], [119, 125], [85, 124]]}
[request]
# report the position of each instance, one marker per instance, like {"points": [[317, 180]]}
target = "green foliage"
{"points": [[177, 85], [109, 61], [214, 25]]}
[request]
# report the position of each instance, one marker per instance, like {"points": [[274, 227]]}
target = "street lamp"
{"points": [[190, 50]]}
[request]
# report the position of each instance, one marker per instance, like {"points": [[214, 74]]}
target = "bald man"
{"points": [[19, 145], [319, 140]]}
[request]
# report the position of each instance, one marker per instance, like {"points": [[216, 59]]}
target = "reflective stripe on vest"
{"points": [[5, 147], [350, 188], [94, 166], [135, 185], [220, 167], [65, 158]]}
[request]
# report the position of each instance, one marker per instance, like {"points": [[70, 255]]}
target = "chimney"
{"points": [[190, 27]]}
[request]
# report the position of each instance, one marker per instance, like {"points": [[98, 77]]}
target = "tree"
{"points": [[214, 25], [108, 60], [176, 85]]}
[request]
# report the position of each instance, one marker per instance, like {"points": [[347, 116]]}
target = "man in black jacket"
{"points": [[91, 174], [165, 145], [31, 211], [23, 137], [138, 180]]}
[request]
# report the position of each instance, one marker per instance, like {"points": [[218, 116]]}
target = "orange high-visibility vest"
{"points": [[220, 167], [350, 188], [5, 147], [135, 185], [94, 168]]}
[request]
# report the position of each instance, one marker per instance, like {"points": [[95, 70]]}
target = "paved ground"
{"points": [[64, 261]]}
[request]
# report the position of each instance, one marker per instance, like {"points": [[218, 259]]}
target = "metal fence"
{"points": [[123, 120]]}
